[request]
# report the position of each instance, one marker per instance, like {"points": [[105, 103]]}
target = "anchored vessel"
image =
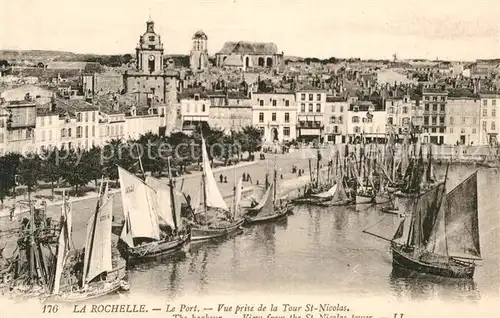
{"points": [[212, 218], [100, 276], [441, 236], [153, 226], [269, 208]]}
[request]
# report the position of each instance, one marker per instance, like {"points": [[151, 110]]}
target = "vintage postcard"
{"points": [[249, 159]]}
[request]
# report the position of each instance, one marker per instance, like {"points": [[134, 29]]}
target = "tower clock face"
{"points": [[151, 57]]}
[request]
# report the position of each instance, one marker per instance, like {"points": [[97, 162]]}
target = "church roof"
{"points": [[243, 47], [200, 35]]}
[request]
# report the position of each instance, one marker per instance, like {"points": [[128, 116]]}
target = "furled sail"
{"points": [[212, 194], [63, 244], [327, 194], [266, 206], [462, 225], [165, 211], [98, 243], [139, 206], [237, 196]]}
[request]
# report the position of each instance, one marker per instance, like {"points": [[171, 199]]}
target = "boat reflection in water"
{"points": [[411, 285]]}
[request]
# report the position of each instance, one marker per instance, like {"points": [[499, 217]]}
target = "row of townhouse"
{"points": [[442, 119], [285, 116], [26, 126], [308, 115]]}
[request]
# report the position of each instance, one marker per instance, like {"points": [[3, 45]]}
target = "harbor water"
{"points": [[316, 251], [323, 251]]}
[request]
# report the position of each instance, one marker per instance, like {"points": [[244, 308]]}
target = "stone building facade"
{"points": [[249, 55], [198, 59], [150, 81]]}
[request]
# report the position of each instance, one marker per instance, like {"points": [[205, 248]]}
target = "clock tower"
{"points": [[149, 51]]}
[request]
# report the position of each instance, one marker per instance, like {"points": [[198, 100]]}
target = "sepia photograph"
{"points": [[250, 159]]}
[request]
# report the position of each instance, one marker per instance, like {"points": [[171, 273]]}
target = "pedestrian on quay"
{"points": [[225, 179], [245, 177], [249, 178], [221, 178]]}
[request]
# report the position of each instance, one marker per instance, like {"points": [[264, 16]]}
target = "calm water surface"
{"points": [[323, 250]]}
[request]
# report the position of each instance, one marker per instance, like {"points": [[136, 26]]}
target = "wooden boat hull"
{"points": [[361, 199], [200, 233], [335, 203], [109, 288], [310, 200], [268, 218], [381, 199], [454, 270], [153, 249]]}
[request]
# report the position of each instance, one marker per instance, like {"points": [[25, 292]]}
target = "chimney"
{"points": [[52, 104]]}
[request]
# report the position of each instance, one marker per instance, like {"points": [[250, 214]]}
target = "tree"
{"points": [[116, 153], [50, 169], [30, 172], [149, 146], [75, 171], [9, 165], [250, 139], [92, 158]]}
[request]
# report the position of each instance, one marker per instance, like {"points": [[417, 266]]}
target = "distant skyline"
{"points": [[446, 29]]}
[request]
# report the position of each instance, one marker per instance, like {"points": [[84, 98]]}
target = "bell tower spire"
{"points": [[149, 52]]}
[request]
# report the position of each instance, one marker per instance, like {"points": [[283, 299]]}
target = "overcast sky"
{"points": [[445, 29]]}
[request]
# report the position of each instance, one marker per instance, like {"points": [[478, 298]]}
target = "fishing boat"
{"points": [[152, 226], [29, 272], [269, 208], [441, 236], [211, 216], [100, 276]]}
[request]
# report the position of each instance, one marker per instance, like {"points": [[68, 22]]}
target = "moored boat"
{"points": [[441, 235], [153, 226], [212, 217]]}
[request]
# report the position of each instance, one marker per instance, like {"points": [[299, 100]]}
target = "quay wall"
{"points": [[457, 154]]}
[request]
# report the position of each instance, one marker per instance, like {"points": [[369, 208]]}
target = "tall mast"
{"points": [[203, 177], [91, 246], [317, 166], [275, 179], [172, 196]]}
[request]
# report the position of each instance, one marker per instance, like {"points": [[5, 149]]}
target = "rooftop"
{"points": [[243, 47]]}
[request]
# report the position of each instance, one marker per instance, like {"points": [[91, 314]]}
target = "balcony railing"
{"points": [[310, 124]]}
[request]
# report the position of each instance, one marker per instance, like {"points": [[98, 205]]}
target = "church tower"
{"points": [[198, 59], [149, 51]]}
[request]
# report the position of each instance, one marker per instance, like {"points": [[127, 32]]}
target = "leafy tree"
{"points": [[50, 168], [75, 170], [116, 153], [92, 158], [250, 139], [30, 171], [148, 147], [9, 165]]}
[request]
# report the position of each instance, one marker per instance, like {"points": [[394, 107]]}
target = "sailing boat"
{"points": [[152, 224], [30, 270], [441, 237], [337, 195], [269, 207], [99, 276], [212, 217], [316, 192]]}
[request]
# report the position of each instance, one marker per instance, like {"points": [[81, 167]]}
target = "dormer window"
{"points": [[150, 111], [196, 97], [355, 108], [133, 111]]}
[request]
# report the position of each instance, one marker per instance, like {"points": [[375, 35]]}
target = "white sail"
{"points": [[212, 194], [63, 244], [237, 195], [98, 243], [165, 212], [327, 194], [139, 206]]}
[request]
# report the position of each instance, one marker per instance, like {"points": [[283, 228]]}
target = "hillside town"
{"points": [[84, 104], [286, 173]]}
